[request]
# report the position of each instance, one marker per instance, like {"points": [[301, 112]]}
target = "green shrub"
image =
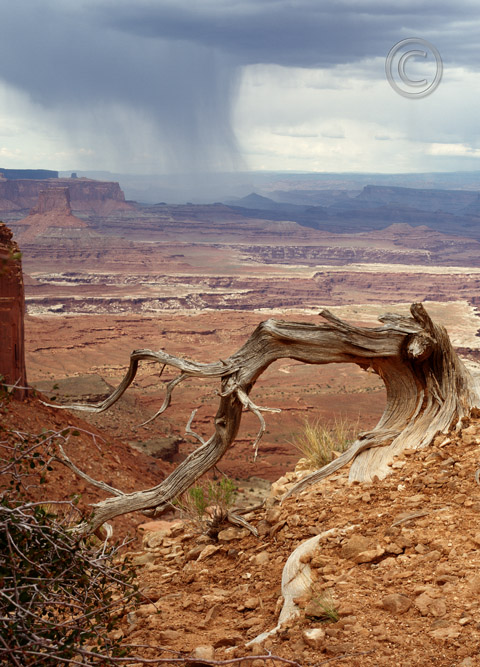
{"points": [[58, 595], [206, 505]]}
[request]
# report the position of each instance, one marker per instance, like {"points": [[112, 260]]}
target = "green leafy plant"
{"points": [[320, 442], [207, 505], [6, 392]]}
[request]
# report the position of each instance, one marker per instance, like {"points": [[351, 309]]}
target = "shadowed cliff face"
{"points": [[52, 210], [12, 306], [53, 198], [95, 197]]}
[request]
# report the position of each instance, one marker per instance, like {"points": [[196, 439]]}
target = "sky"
{"points": [[201, 86]]}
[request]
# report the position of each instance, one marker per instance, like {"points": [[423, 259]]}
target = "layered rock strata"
{"points": [[12, 307], [86, 195], [52, 210]]}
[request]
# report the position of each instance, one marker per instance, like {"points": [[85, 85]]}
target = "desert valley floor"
{"points": [[104, 277], [196, 281]]}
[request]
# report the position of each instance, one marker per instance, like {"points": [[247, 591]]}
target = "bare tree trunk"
{"points": [[429, 390]]}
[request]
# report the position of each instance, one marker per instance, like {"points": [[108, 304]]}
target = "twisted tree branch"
{"points": [[429, 390]]}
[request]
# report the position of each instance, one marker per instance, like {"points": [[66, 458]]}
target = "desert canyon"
{"points": [[104, 276]]}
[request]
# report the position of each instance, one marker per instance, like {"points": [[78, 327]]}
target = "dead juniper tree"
{"points": [[429, 390]]}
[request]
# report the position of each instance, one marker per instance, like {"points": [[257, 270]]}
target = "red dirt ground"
{"points": [[408, 595], [102, 345]]}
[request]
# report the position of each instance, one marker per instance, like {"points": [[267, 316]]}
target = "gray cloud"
{"points": [[174, 65], [306, 33], [86, 71]]}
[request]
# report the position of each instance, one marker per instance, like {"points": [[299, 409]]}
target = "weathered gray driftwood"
{"points": [[429, 390]]}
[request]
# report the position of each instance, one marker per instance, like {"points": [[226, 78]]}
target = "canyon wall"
{"points": [[85, 292], [13, 174], [88, 196], [53, 198], [12, 307], [95, 197], [52, 210]]}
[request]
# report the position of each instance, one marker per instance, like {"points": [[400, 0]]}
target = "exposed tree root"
{"points": [[297, 580]]}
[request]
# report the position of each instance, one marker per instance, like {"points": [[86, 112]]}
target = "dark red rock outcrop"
{"points": [[89, 196], [95, 197], [12, 307], [53, 199], [52, 210]]}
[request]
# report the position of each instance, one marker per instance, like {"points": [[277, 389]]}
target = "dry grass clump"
{"points": [[324, 608], [320, 442]]}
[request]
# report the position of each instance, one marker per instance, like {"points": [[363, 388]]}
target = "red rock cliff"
{"points": [[52, 210], [12, 307], [95, 197], [53, 199]]}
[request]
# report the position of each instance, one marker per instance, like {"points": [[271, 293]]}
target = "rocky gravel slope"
{"points": [[399, 561]]}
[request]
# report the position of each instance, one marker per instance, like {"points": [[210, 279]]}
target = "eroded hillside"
{"points": [[397, 559]]}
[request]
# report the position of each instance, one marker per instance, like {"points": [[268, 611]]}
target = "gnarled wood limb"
{"points": [[428, 390], [297, 580]]}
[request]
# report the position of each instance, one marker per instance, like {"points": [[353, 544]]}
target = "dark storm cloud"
{"points": [[69, 61], [304, 33], [176, 64]]}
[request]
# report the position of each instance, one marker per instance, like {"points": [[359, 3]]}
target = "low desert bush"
{"points": [[206, 505], [61, 595], [60, 598], [320, 442]]}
